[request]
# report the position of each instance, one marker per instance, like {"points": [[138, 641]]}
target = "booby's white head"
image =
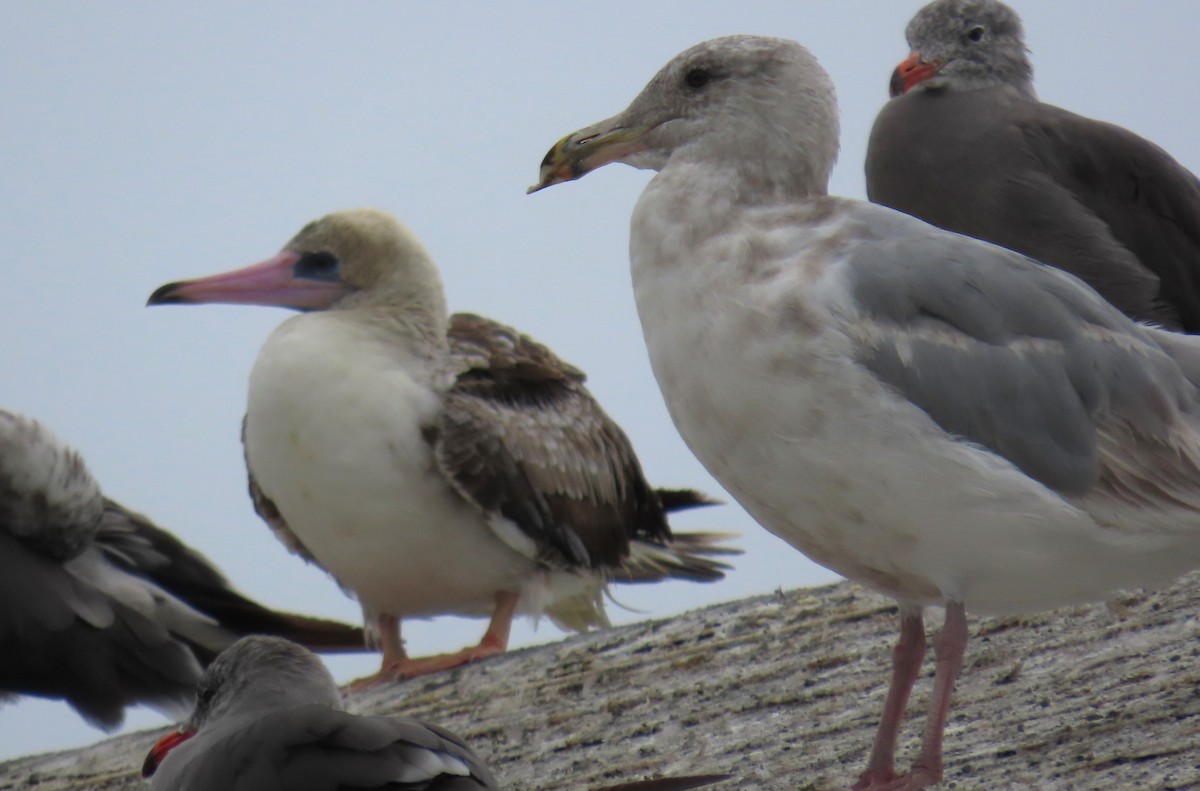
{"points": [[344, 260]]}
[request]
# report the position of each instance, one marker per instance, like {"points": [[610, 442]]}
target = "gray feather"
{"points": [[1013, 355]]}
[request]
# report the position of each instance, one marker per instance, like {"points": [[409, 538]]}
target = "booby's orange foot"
{"points": [[367, 682], [411, 668], [402, 669], [397, 666]]}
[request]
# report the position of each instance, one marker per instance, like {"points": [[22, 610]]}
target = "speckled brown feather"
{"points": [[522, 437], [581, 495]]}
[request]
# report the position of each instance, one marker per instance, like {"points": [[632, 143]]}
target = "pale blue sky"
{"points": [[146, 142]]}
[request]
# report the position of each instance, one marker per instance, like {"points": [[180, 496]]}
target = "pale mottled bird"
{"points": [[97, 605], [269, 717], [436, 464], [944, 420], [966, 145]]}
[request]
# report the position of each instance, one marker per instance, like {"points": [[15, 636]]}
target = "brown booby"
{"points": [[947, 421], [100, 607], [436, 464]]}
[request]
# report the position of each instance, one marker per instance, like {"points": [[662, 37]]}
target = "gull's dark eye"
{"points": [[697, 77], [317, 266], [976, 33]]}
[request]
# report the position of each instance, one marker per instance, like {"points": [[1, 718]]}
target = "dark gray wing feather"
{"points": [[1148, 201], [315, 748], [100, 607], [60, 637], [1087, 197], [1013, 355], [134, 543]]}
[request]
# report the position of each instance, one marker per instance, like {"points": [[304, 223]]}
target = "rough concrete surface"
{"points": [[783, 692]]}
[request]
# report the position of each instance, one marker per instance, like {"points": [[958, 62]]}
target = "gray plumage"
{"points": [[269, 717], [1005, 352], [100, 607], [971, 149]]}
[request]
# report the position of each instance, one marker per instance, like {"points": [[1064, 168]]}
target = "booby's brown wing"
{"points": [[523, 438]]}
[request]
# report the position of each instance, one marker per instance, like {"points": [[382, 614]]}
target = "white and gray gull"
{"points": [[966, 145], [436, 464], [100, 607], [269, 717], [944, 420]]}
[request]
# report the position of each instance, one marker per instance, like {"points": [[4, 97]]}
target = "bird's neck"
{"points": [[750, 182], [1013, 89], [419, 315]]}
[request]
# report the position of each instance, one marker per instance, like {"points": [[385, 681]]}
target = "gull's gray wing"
{"points": [[1026, 361], [131, 619], [316, 748]]}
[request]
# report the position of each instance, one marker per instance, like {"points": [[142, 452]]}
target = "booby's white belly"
{"points": [[759, 379], [333, 436]]}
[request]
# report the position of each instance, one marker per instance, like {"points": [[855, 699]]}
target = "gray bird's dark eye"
{"points": [[697, 77], [204, 696], [976, 33]]}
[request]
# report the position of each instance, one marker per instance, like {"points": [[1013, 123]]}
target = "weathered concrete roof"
{"points": [[783, 692]]}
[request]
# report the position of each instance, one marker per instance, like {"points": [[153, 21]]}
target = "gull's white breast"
{"points": [[746, 319]]}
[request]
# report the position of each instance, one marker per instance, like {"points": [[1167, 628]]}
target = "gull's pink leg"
{"points": [[951, 647], [907, 657]]}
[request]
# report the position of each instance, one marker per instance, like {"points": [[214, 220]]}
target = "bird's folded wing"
{"points": [[87, 632], [1015, 356], [1148, 201], [315, 748], [136, 544], [521, 437]]}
